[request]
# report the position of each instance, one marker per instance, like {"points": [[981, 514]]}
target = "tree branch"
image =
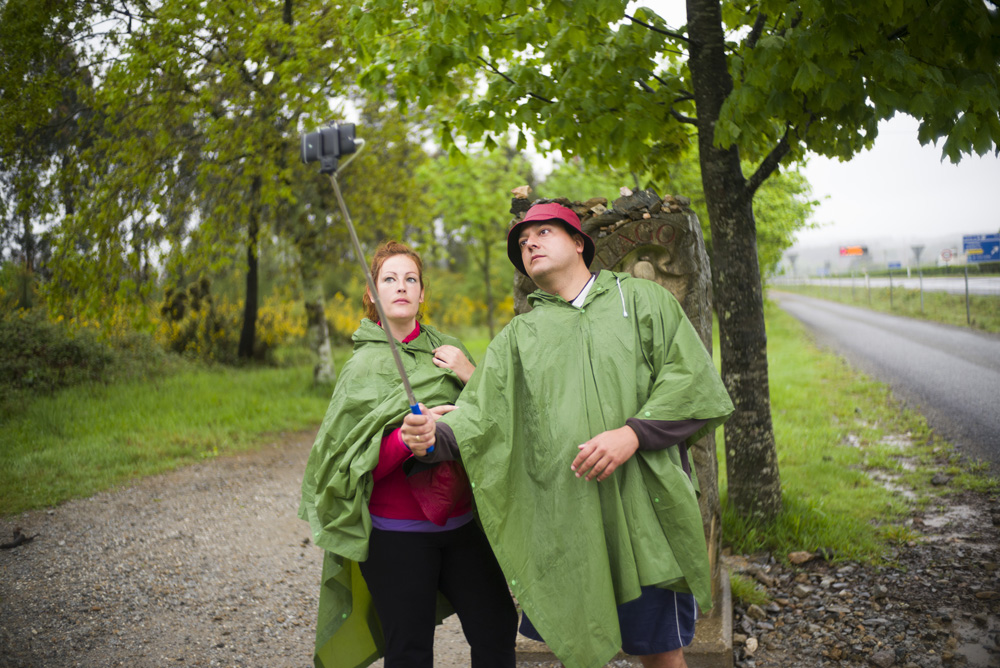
{"points": [[898, 34], [682, 118], [768, 165], [511, 81], [757, 30], [668, 33]]}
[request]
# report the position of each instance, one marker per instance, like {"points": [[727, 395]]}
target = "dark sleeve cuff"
{"points": [[445, 445], [661, 434]]}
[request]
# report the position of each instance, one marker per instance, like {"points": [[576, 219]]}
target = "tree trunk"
{"points": [[248, 334], [317, 331], [751, 458], [27, 278], [489, 287], [27, 243]]}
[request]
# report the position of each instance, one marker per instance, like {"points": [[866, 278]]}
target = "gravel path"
{"points": [[209, 566], [937, 606]]}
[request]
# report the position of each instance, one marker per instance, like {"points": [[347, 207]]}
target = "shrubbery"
{"points": [[195, 324], [40, 355]]}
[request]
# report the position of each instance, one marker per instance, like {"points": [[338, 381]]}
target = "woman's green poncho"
{"points": [[368, 400]]}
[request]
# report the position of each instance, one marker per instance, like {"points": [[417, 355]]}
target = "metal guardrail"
{"points": [[988, 286], [956, 285]]}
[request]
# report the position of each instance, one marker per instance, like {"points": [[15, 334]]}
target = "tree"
{"points": [[45, 87], [200, 113], [759, 83], [471, 197]]}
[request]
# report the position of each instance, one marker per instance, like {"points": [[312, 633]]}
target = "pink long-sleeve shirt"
{"points": [[392, 497]]}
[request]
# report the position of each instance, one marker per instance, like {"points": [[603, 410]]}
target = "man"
{"points": [[574, 433]]}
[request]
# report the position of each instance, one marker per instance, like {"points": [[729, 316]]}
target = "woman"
{"points": [[401, 551]]}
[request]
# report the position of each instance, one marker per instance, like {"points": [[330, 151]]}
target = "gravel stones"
{"points": [[205, 566], [933, 607]]}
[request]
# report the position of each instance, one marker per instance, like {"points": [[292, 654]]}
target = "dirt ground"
{"points": [[205, 566]]}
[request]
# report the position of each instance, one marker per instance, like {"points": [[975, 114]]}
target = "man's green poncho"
{"points": [[552, 379], [368, 400]]}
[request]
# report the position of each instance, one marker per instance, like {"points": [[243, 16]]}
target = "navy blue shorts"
{"points": [[660, 620]]}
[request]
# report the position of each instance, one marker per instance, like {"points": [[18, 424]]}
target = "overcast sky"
{"points": [[902, 190], [899, 190]]}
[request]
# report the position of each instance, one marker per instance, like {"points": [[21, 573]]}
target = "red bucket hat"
{"points": [[543, 212]]}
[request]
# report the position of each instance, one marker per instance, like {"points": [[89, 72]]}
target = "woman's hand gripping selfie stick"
{"points": [[414, 406]]}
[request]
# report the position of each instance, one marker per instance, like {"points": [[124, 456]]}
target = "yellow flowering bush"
{"points": [[343, 315], [193, 323]]}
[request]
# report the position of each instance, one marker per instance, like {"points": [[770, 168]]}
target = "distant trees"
{"points": [[185, 148], [471, 200]]}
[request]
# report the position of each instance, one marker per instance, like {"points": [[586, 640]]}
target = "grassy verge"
{"points": [[91, 437], [984, 310], [836, 431]]}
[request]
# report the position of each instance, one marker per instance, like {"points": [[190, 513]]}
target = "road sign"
{"points": [[895, 265], [853, 250], [946, 255], [982, 247]]}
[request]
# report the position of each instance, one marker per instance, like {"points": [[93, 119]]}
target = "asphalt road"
{"points": [[950, 374]]}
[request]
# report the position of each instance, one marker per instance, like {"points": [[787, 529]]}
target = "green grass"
{"points": [[91, 437], [830, 422], [747, 591], [833, 429], [984, 310]]}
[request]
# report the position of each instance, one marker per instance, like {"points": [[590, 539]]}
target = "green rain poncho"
{"points": [[367, 401], [552, 379]]}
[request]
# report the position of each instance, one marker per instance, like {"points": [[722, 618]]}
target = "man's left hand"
{"points": [[601, 455]]}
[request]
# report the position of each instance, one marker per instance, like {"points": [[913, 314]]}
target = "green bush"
{"points": [[17, 288], [41, 356]]}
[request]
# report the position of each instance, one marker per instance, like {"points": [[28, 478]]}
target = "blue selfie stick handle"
{"points": [[415, 409]]}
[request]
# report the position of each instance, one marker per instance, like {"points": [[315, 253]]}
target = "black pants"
{"points": [[404, 572]]}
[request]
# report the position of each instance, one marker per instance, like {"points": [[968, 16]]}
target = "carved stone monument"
{"points": [[660, 239]]}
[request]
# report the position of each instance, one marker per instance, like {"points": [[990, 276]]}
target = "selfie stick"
{"points": [[414, 407]]}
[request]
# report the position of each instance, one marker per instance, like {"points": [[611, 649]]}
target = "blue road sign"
{"points": [[981, 247], [895, 265]]}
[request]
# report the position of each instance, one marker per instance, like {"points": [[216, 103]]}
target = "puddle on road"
{"points": [[975, 643], [954, 514], [888, 480], [898, 441], [960, 524]]}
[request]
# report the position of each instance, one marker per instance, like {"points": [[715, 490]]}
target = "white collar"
{"points": [[582, 297]]}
